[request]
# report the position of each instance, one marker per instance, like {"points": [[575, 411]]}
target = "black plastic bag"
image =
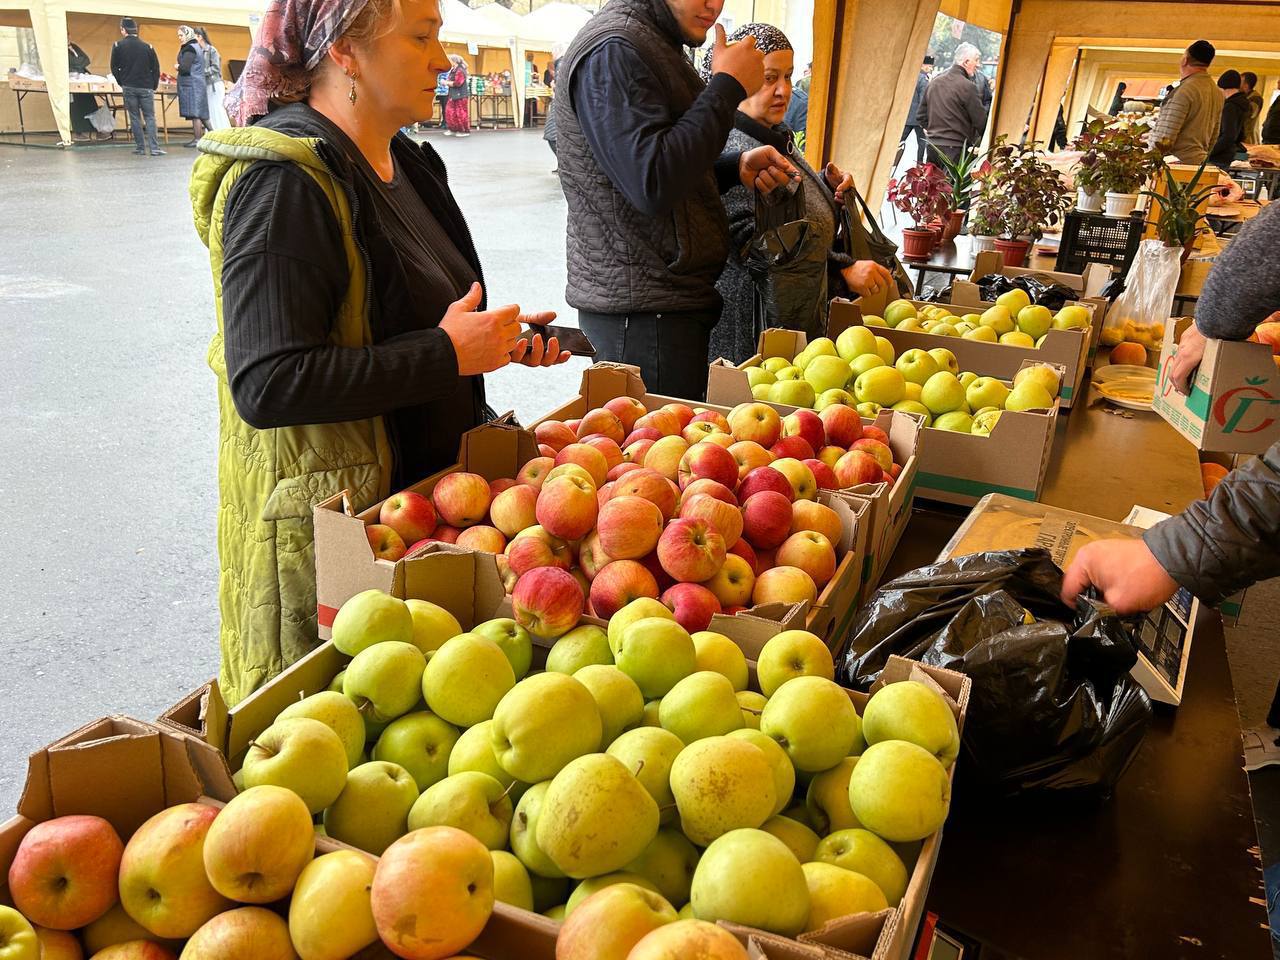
{"points": [[1038, 287], [1053, 706]]}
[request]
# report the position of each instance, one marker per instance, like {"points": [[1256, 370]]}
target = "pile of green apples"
{"points": [[642, 754], [1013, 320]]}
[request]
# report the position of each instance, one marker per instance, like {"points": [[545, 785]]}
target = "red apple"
{"points": [[875, 433], [691, 550], [857, 467], [514, 509], [618, 472], [604, 495], [682, 412], [887, 477], [482, 538], [664, 421], [654, 566], [811, 552], [617, 584], [546, 450], [604, 422], [765, 478], [635, 452], [758, 422], [712, 488], [446, 534], [793, 448], [548, 602], [803, 484], [808, 515], [591, 556], [409, 514], [567, 507], [784, 585], [554, 434], [64, 873], [652, 486], [385, 542], [712, 416], [881, 451], [608, 446], [589, 458], [807, 425], [534, 548], [641, 433], [725, 518], [627, 409], [693, 605], [896, 470], [707, 460], [573, 425], [841, 424], [629, 527], [497, 486], [830, 455], [748, 553], [823, 475], [508, 575], [732, 583], [766, 519], [665, 455], [461, 499], [749, 455], [697, 432]]}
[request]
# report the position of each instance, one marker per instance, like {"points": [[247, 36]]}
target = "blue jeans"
{"points": [[141, 104]]}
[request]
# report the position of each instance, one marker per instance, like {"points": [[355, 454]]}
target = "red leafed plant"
{"points": [[923, 193]]}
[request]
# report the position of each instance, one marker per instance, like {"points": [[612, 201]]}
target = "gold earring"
{"points": [[351, 94]]}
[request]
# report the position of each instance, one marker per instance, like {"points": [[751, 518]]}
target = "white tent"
{"points": [[553, 25]]}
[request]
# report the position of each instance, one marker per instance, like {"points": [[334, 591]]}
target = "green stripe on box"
{"points": [[1230, 609], [1066, 392], [1198, 403], [971, 488]]}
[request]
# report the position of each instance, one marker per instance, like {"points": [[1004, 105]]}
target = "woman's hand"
{"points": [[533, 353], [1187, 358], [482, 340], [867, 278], [839, 181], [764, 169]]}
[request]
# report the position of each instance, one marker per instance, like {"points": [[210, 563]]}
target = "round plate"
{"points": [[1123, 371]]}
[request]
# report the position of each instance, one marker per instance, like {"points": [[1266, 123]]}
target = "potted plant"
{"points": [[984, 208], [1087, 176], [960, 176], [923, 193], [1032, 198], [1124, 162], [1179, 220]]}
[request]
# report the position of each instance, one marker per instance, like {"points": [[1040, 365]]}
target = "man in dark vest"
{"points": [[639, 143]]}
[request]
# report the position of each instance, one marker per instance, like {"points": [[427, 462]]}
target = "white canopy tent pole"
{"points": [[49, 24]]}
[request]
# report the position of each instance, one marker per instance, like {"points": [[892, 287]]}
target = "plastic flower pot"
{"points": [[980, 243], [954, 224], [917, 243], [1087, 202], [1013, 251], [1120, 204]]}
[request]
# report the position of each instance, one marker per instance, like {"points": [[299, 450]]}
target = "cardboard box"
{"points": [[1234, 406]]}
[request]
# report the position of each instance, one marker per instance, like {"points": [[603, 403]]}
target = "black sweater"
{"points": [[134, 63], [1235, 117]]}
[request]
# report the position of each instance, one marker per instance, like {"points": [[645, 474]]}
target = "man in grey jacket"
{"points": [[1188, 121], [951, 110]]}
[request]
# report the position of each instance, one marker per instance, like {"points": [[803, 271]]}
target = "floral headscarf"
{"points": [[292, 39], [769, 39], [186, 35]]}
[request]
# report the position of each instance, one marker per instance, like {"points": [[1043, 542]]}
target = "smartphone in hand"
{"points": [[571, 338]]}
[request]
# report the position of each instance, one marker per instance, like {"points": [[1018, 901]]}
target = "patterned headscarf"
{"points": [[292, 39], [769, 39], [185, 34]]}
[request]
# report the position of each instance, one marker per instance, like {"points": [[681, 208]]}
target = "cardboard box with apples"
{"points": [[1234, 404]]}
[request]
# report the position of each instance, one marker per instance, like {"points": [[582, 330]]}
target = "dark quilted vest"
{"points": [[620, 260]]}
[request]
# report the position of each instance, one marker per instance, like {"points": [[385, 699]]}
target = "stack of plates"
{"points": [[1126, 385]]}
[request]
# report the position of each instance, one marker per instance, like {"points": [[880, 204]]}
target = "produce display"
{"points": [[641, 774], [1013, 320], [707, 512], [201, 883]]}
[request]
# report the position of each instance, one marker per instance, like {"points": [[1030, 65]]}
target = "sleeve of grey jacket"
{"points": [[1243, 288], [1218, 546]]}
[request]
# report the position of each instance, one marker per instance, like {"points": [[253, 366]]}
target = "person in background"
{"points": [[1271, 126], [797, 117], [1058, 139], [82, 104], [1231, 539], [1117, 102], [1235, 117], [913, 111], [639, 139], [193, 95], [442, 96], [1249, 84], [136, 68], [794, 294], [213, 81], [457, 109], [531, 76], [1187, 125], [951, 110]]}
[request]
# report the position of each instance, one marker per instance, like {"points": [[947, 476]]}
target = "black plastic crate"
{"points": [[1092, 238]]}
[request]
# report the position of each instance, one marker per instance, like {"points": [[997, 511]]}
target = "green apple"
{"points": [[1014, 300], [302, 755], [593, 885], [856, 341], [752, 705], [915, 406], [1047, 377], [965, 326], [335, 685], [799, 839], [656, 653], [967, 377], [984, 421], [1034, 320], [957, 421], [759, 375], [827, 373], [998, 318], [337, 713], [914, 325], [432, 625], [548, 892], [1018, 339], [868, 361], [829, 398], [942, 393], [820, 347], [983, 333], [640, 609], [368, 618], [913, 391], [511, 882], [466, 678], [835, 893], [1040, 342], [885, 349], [649, 752], [617, 698], [784, 774], [18, 940], [759, 392], [790, 654], [523, 836], [873, 321], [868, 409], [651, 709], [512, 639], [715, 651], [828, 798], [789, 372], [703, 704], [911, 711], [473, 802], [882, 385], [596, 817], [944, 329], [668, 862], [946, 360], [917, 366], [421, 743], [1072, 317], [899, 791], [865, 853], [928, 324], [750, 877], [986, 392], [1028, 395], [721, 784], [897, 311], [795, 393], [373, 809], [474, 751], [556, 913], [774, 364], [814, 720], [545, 721], [580, 647], [385, 680]]}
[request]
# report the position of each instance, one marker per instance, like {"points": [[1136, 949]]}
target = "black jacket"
{"points": [[134, 63], [1271, 126], [1235, 118], [951, 111]]}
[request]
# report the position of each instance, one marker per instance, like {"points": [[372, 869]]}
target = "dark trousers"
{"points": [[669, 348], [919, 132], [936, 150], [141, 104]]}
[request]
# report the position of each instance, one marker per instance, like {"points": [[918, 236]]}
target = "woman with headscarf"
{"points": [[193, 95], [457, 108], [788, 285], [352, 326], [218, 119]]}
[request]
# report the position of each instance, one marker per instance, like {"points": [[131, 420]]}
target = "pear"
{"points": [[338, 714], [511, 883], [834, 893], [302, 755], [368, 618], [899, 791], [828, 798], [465, 679], [799, 839], [373, 809], [595, 884], [617, 698], [580, 647]]}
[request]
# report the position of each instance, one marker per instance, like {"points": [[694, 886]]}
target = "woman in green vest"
{"points": [[352, 326]]}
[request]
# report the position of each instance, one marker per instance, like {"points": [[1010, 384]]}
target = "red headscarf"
{"points": [[292, 39]]}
